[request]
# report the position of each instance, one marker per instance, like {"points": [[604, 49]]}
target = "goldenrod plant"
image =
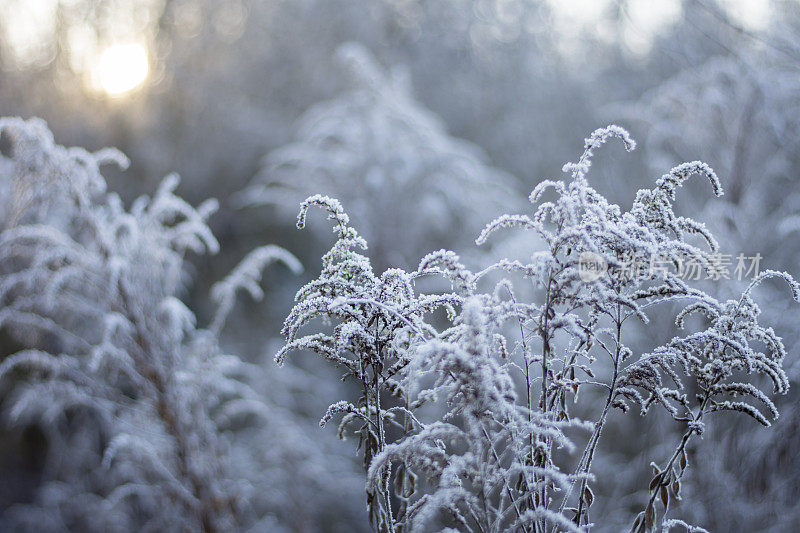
{"points": [[506, 451]]}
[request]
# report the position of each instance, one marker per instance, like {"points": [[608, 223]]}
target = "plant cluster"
{"points": [[478, 398], [148, 424], [471, 422]]}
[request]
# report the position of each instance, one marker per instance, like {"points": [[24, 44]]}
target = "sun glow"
{"points": [[120, 69]]}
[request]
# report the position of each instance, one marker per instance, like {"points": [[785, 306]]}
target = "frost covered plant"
{"points": [[382, 150], [377, 319], [689, 376], [756, 151], [497, 457], [484, 460], [133, 397]]}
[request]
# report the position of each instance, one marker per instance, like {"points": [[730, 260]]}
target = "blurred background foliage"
{"points": [[427, 118]]}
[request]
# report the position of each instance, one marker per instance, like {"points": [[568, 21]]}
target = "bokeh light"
{"points": [[121, 68]]}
